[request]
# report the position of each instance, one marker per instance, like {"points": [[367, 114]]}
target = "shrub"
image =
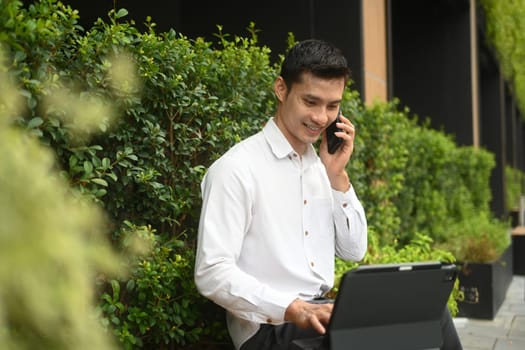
{"points": [[478, 238], [52, 245], [413, 179], [514, 187]]}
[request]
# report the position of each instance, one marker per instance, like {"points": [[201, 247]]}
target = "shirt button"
{"points": [[312, 264], [305, 201], [269, 320], [345, 205], [295, 154], [290, 157], [306, 233]]}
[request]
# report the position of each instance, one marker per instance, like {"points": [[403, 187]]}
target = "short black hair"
{"points": [[318, 57]]}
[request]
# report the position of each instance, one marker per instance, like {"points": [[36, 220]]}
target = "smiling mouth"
{"points": [[312, 128]]}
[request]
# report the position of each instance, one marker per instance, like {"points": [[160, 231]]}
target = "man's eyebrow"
{"points": [[311, 97], [317, 98]]}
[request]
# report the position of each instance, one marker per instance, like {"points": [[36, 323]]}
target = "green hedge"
{"points": [[413, 179], [514, 187], [164, 107], [505, 32]]}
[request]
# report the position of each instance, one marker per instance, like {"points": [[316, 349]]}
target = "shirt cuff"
{"points": [[275, 311], [345, 199]]}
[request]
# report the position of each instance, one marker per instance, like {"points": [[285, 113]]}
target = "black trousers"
{"points": [[280, 337]]}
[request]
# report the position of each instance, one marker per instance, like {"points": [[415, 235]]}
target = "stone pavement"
{"points": [[506, 331]]}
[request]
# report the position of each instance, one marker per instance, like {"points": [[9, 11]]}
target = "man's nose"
{"points": [[321, 116]]}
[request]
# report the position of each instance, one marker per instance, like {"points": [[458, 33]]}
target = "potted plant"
{"points": [[483, 249]]}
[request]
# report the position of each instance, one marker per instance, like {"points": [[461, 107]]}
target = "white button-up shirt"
{"points": [[269, 229]]}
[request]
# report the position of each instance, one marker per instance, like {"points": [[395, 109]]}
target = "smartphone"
{"points": [[333, 141]]}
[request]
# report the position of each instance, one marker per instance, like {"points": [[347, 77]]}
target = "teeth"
{"points": [[312, 128]]}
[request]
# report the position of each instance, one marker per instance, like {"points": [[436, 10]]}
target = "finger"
{"points": [[348, 125], [325, 314], [344, 119], [317, 325], [348, 133]]}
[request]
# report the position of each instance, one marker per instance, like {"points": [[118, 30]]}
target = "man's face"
{"points": [[307, 108]]}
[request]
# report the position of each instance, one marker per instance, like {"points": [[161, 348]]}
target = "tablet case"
{"points": [[389, 306]]}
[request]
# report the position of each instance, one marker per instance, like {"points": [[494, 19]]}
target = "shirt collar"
{"points": [[280, 146]]}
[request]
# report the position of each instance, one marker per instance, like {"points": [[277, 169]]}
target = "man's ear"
{"points": [[280, 89]]}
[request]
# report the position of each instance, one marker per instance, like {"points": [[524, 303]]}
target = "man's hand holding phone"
{"points": [[339, 148]]}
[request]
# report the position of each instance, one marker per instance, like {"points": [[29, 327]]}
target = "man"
{"points": [[275, 213]]}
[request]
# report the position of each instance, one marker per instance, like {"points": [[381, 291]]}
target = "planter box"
{"points": [[484, 285]]}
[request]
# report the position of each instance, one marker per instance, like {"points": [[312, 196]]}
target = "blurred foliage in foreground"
{"points": [[51, 246]]}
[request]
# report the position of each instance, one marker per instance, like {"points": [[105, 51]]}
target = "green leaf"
{"points": [[130, 285], [121, 13], [88, 167], [35, 122], [106, 163], [73, 161], [99, 181]]}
